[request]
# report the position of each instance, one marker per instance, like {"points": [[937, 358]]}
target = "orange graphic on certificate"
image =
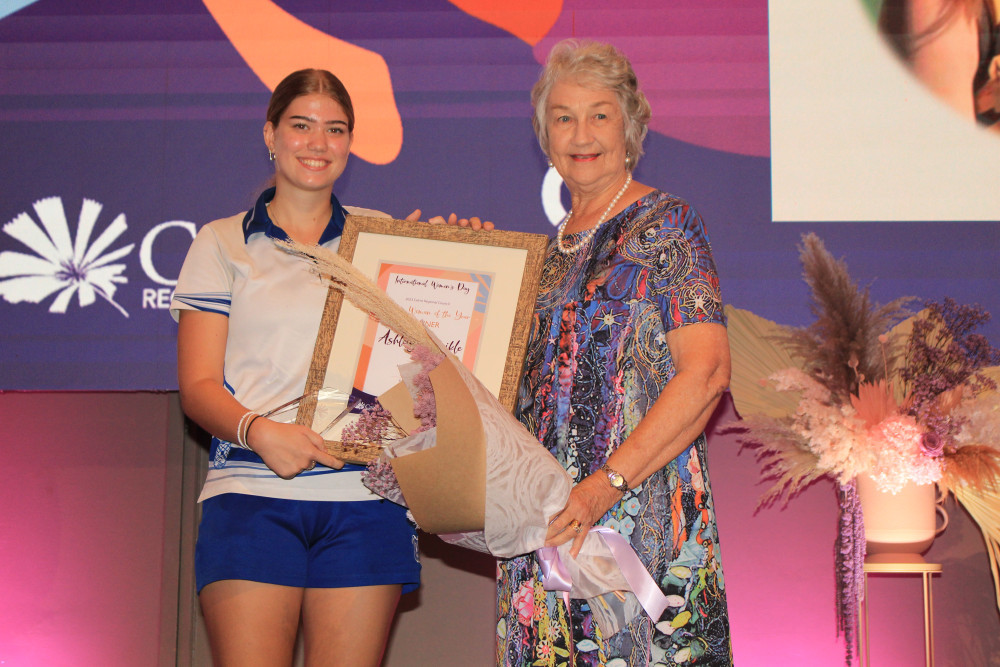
{"points": [[450, 303]]}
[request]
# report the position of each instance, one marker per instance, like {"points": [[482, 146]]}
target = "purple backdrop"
{"points": [[149, 110]]}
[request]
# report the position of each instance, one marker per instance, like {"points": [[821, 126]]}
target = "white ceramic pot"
{"points": [[900, 523]]}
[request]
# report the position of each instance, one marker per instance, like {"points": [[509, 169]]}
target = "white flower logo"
{"points": [[61, 264]]}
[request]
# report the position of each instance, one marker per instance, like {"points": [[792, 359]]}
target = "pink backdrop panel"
{"points": [[82, 484]]}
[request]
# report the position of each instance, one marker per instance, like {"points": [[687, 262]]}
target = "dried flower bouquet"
{"points": [[869, 389]]}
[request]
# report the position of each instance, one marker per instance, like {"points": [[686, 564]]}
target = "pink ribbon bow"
{"points": [[556, 577]]}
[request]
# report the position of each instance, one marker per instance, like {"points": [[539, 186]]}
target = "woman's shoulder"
{"points": [[224, 230], [659, 225], [661, 200], [233, 223], [660, 210], [220, 238]]}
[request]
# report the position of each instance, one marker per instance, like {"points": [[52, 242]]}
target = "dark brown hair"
{"points": [[308, 82]]}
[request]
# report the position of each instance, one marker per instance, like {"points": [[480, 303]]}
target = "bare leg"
{"points": [[347, 626], [251, 624]]}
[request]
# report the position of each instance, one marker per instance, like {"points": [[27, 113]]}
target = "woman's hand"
{"points": [[453, 219], [588, 501], [288, 449]]}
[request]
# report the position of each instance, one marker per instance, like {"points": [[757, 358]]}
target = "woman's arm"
{"points": [[701, 358], [287, 449]]}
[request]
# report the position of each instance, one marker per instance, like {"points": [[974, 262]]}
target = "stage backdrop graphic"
{"points": [[127, 126]]}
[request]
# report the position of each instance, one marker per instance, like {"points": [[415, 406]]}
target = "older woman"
{"points": [[627, 360]]}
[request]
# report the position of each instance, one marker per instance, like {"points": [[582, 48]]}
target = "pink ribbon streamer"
{"points": [[556, 577]]}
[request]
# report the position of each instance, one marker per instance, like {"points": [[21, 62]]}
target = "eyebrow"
{"points": [[592, 106], [314, 120]]}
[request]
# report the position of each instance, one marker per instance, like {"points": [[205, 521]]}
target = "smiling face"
{"points": [[310, 142], [586, 136]]}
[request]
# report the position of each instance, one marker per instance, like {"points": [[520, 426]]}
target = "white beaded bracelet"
{"points": [[240, 432], [246, 431]]}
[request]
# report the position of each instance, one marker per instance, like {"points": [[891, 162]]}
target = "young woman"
{"points": [[289, 536]]}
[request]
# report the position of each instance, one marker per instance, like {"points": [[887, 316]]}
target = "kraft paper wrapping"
{"points": [[481, 481], [445, 482]]}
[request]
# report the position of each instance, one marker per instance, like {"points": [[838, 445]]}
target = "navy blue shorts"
{"points": [[306, 544]]}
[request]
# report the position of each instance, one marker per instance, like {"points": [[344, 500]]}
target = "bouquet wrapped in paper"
{"points": [[477, 478]]}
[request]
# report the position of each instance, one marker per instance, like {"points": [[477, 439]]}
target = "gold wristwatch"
{"points": [[616, 479]]}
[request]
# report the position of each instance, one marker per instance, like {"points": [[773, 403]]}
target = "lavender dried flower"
{"points": [[424, 406], [381, 480], [944, 355], [849, 562], [374, 426]]}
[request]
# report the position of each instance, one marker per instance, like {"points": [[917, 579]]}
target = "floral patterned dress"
{"points": [[597, 360]]}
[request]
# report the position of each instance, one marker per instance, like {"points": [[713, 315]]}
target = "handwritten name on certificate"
{"points": [[451, 304]]}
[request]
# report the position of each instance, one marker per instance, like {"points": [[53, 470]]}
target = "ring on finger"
{"points": [[575, 525]]}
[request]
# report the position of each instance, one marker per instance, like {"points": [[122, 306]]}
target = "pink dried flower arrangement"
{"points": [[876, 399]]}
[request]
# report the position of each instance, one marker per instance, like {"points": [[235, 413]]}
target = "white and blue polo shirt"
{"points": [[274, 303]]}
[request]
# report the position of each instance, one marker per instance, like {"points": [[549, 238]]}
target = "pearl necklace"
{"points": [[589, 234]]}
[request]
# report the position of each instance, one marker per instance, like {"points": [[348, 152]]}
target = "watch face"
{"points": [[616, 479]]}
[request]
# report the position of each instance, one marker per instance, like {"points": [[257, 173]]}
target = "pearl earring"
{"points": [[628, 158], [270, 155]]}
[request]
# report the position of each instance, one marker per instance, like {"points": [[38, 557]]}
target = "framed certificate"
{"points": [[474, 290]]}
